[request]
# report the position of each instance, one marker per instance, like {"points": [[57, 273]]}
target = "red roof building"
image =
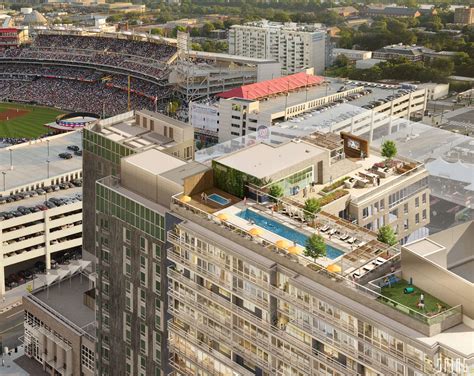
{"points": [[281, 85], [12, 37]]}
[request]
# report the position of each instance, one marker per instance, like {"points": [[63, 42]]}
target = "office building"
{"points": [[296, 47], [464, 16], [29, 230], [60, 323], [108, 140], [303, 97]]}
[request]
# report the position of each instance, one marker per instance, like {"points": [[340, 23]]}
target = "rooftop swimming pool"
{"points": [[284, 231], [218, 199]]}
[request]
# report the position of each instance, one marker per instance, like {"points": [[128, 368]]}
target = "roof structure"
{"points": [[279, 85]]}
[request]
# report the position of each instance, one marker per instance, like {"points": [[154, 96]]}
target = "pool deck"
{"points": [[267, 235]]}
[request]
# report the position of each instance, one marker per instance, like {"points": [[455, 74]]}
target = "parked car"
{"points": [[49, 204], [40, 265], [73, 147], [78, 153], [41, 191], [42, 207], [65, 155]]}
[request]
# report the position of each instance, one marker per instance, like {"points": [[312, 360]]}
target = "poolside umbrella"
{"points": [[255, 231], [294, 250], [185, 199], [223, 216], [334, 268], [282, 244]]}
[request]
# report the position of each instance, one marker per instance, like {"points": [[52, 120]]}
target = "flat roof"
{"points": [[66, 298], [263, 160], [154, 161], [230, 58], [424, 247], [179, 173], [30, 161], [459, 338]]}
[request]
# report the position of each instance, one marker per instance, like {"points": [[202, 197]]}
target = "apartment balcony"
{"points": [[186, 349]]}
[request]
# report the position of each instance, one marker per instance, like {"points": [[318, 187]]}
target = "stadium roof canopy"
{"points": [[275, 86]]}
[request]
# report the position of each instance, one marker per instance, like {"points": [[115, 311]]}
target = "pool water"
{"points": [[218, 199], [284, 231]]}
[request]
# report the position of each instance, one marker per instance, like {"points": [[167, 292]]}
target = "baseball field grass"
{"points": [[20, 120]]}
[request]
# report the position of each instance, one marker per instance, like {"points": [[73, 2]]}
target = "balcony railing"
{"points": [[305, 261]]}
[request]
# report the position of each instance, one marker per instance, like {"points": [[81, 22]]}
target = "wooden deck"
{"points": [[210, 206]]}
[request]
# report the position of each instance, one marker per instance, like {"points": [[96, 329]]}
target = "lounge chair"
{"points": [[351, 240], [379, 261], [344, 237], [332, 231], [324, 228]]}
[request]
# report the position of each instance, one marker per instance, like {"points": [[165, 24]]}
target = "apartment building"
{"points": [[297, 47], [29, 230], [464, 16], [304, 99], [60, 325], [395, 51], [126, 134], [241, 298]]}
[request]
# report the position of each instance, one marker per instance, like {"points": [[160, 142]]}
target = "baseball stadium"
{"points": [[57, 73]]}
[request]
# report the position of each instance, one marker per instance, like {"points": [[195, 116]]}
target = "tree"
{"points": [[276, 191], [341, 61], [207, 28], [312, 206], [387, 235], [157, 31], [389, 149], [315, 247]]}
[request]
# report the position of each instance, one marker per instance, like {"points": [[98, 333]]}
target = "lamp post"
{"points": [[47, 142], [4, 181], [11, 159]]}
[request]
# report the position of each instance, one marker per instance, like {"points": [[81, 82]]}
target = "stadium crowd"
{"points": [[145, 58], [74, 95], [78, 89]]}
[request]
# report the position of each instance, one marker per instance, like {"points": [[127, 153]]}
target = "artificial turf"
{"points": [[395, 292], [29, 124]]}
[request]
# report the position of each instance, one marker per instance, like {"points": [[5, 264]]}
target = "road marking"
{"points": [[14, 314], [12, 327]]}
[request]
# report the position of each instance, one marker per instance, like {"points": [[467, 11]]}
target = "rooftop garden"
{"points": [[396, 292], [335, 185], [330, 197]]}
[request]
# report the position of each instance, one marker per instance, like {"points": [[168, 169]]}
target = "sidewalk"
{"points": [[10, 367], [13, 297]]}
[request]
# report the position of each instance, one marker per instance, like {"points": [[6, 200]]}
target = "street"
{"points": [[11, 327]]}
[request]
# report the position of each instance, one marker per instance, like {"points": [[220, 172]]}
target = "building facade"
{"points": [[106, 142], [59, 336], [296, 47], [464, 16]]}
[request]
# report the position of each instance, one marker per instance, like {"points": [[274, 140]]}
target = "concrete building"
{"points": [[126, 134], [60, 326], [346, 12], [296, 47], [246, 109], [352, 55], [412, 53], [29, 234], [202, 74], [464, 16]]}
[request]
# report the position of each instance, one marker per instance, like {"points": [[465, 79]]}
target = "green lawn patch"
{"points": [[395, 292], [20, 120]]}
